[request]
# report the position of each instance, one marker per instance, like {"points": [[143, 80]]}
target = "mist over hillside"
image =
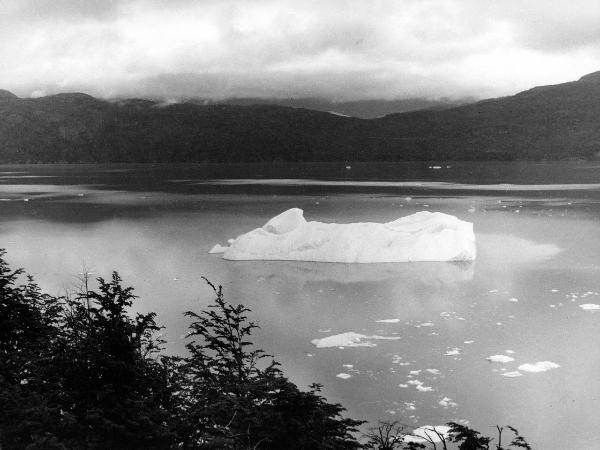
{"points": [[546, 122]]}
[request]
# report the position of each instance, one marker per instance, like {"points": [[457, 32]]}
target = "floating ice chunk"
{"points": [[425, 324], [218, 248], [349, 339], [344, 376], [423, 236], [540, 366], [404, 386], [453, 351], [347, 366], [388, 321], [500, 359], [447, 402], [419, 386], [513, 300], [415, 372], [427, 433], [513, 374], [433, 371], [590, 306]]}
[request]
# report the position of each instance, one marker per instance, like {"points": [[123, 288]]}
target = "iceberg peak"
{"points": [[285, 222]]}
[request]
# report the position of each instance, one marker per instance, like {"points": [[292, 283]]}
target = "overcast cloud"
{"points": [[337, 49]]}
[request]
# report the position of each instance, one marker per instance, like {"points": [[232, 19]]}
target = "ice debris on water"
{"points": [[427, 433], [349, 339], [540, 366], [500, 359]]}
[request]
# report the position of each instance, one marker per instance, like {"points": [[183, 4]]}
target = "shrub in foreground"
{"points": [[83, 372]]}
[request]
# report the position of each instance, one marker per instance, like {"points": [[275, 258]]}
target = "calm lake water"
{"points": [[537, 229]]}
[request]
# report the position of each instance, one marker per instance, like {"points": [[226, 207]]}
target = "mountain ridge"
{"points": [[545, 122]]}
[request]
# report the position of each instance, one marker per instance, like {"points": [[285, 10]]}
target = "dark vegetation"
{"points": [[82, 372], [548, 122]]}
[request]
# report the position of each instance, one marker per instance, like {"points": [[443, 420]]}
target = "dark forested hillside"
{"points": [[548, 122]]}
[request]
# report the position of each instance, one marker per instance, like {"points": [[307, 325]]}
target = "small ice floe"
{"points": [[471, 210], [447, 402], [420, 386], [410, 406], [433, 371], [388, 321], [468, 342], [218, 248], [427, 433], [513, 374], [348, 366], [590, 306], [349, 339], [500, 359], [425, 324], [499, 324], [510, 352], [403, 386], [493, 291], [553, 290], [344, 376], [513, 300], [348, 167], [453, 351], [414, 372], [450, 315], [540, 366]]}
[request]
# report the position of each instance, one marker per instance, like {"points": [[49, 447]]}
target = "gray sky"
{"points": [[337, 49]]}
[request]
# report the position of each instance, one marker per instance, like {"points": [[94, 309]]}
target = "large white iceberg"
{"points": [[423, 236]]}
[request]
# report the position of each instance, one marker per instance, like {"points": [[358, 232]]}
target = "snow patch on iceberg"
{"points": [[423, 236]]}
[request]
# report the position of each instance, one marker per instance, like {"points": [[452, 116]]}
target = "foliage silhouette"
{"points": [[83, 372]]}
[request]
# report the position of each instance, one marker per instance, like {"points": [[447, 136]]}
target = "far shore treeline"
{"points": [[544, 123], [83, 372]]}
